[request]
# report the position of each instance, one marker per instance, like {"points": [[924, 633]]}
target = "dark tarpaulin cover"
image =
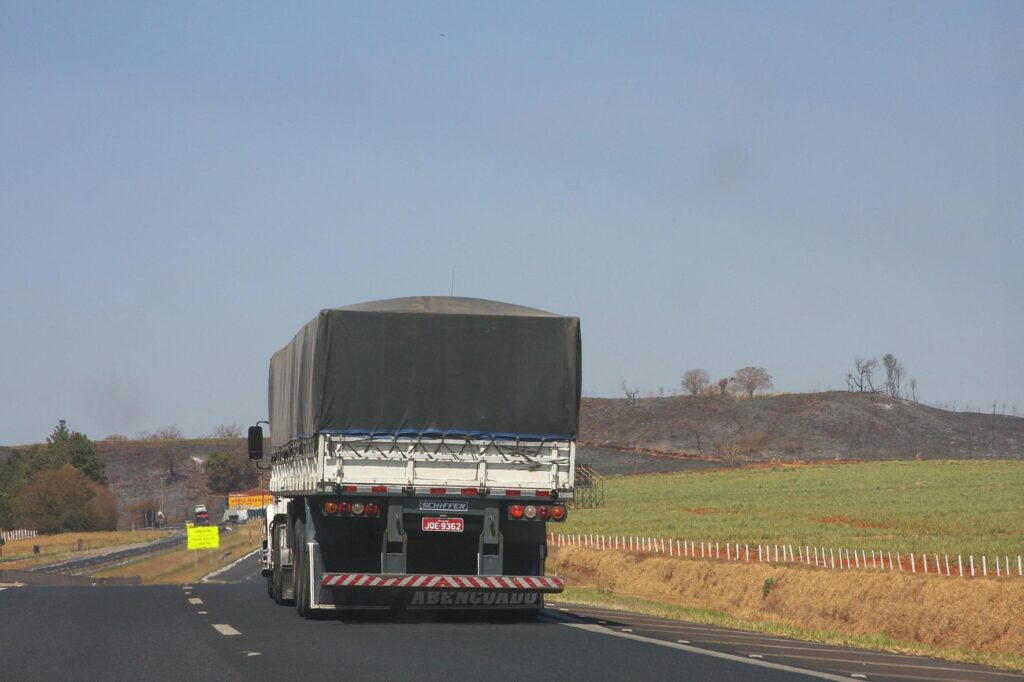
{"points": [[429, 365]]}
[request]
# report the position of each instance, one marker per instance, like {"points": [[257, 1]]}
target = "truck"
{"points": [[419, 448]]}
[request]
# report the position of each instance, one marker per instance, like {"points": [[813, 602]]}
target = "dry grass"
{"points": [[180, 566], [976, 620], [17, 554]]}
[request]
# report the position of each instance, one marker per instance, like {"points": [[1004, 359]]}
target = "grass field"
{"points": [[17, 554], [955, 507], [180, 566]]}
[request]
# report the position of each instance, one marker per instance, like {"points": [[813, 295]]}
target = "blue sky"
{"points": [[706, 185]]}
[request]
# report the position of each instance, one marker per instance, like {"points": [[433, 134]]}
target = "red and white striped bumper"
{"points": [[530, 583]]}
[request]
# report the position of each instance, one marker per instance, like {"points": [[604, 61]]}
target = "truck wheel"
{"points": [[300, 568], [277, 577]]}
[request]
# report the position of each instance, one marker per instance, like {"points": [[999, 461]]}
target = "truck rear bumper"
{"points": [[476, 583]]}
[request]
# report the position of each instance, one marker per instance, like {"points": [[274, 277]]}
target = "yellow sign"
{"points": [[243, 501], [203, 537]]}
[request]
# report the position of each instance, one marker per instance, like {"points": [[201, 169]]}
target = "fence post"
{"points": [[947, 565], [924, 558], [971, 557], [984, 565], [746, 550], [899, 561], [832, 558], [759, 552], [960, 564], [1019, 571], [998, 572]]}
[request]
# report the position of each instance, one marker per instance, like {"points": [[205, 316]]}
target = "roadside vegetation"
{"points": [[57, 487], [946, 507]]}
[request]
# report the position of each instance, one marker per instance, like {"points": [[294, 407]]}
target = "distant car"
{"points": [[202, 518]]}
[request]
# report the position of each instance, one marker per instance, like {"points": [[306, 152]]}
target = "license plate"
{"points": [[438, 525]]}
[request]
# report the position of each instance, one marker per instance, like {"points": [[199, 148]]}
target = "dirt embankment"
{"points": [[978, 614]]}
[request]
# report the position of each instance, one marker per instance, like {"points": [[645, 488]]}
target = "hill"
{"points": [[169, 472], [652, 435], [797, 426]]}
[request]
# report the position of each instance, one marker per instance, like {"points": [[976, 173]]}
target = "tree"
{"points": [[695, 380], [631, 394], [71, 447], [861, 379], [723, 386], [228, 472], [228, 431], [913, 390], [65, 499], [752, 379], [893, 375]]}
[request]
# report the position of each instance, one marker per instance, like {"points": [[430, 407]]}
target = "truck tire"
{"points": [[300, 569], [277, 577]]}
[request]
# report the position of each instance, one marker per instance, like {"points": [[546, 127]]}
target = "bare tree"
{"points": [[723, 386], [631, 394], [752, 379], [164, 433], [913, 390], [695, 380], [228, 431], [893, 375], [862, 379]]}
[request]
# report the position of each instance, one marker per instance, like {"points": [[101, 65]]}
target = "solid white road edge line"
{"points": [[225, 629], [229, 566], [705, 652]]}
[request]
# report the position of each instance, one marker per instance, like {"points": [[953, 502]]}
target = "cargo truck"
{"points": [[418, 449]]}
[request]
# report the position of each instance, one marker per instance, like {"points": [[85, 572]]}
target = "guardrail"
{"points": [[832, 558]]}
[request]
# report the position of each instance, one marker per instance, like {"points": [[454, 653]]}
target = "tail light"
{"points": [[358, 508], [330, 507], [558, 512], [372, 508], [344, 507], [530, 512], [516, 511], [544, 513]]}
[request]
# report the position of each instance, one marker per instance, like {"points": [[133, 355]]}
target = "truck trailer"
{"points": [[418, 449]]}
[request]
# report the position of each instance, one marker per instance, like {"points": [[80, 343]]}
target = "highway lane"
{"points": [[232, 631]]}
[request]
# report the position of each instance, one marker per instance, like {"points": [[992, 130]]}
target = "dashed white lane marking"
{"points": [[195, 600], [754, 656], [683, 641], [705, 652], [859, 676], [627, 629], [186, 587], [203, 613], [225, 629], [252, 653]]}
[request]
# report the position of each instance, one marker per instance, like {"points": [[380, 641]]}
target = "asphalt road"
{"points": [[232, 631]]}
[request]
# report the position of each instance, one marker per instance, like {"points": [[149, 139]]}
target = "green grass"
{"points": [[711, 617], [955, 507]]}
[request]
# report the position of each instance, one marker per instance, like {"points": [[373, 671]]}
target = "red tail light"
{"points": [[349, 488], [543, 493], [469, 491], [516, 511], [543, 513], [372, 508], [378, 488], [558, 512], [438, 491], [330, 507], [344, 507], [513, 493]]}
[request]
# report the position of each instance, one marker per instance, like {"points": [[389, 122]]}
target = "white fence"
{"points": [[20, 534], [832, 558]]}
